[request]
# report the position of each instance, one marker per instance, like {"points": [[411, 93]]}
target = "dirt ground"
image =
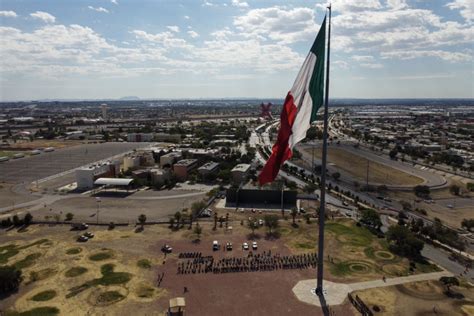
{"points": [[353, 255], [117, 210], [251, 293], [419, 298], [356, 166], [462, 205]]}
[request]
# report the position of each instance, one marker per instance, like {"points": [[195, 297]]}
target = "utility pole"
{"points": [[319, 287]]}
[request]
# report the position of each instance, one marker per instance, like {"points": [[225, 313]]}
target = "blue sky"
{"points": [[231, 48]]}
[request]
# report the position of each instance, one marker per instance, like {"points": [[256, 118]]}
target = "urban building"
{"points": [[170, 159], [159, 176], [183, 167], [140, 137], [86, 176], [240, 172], [209, 168], [131, 162]]}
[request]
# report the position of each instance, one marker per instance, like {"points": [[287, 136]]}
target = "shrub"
{"points": [[10, 279]]}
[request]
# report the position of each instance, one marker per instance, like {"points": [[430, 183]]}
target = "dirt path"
{"points": [[336, 293]]}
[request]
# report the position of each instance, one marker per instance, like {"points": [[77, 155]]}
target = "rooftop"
{"points": [[243, 167], [186, 162]]}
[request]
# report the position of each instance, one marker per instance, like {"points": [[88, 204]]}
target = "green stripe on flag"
{"points": [[316, 85]]}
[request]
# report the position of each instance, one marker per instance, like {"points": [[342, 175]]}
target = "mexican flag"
{"points": [[300, 108]]}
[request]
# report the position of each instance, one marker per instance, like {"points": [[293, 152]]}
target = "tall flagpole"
{"points": [[322, 207]]}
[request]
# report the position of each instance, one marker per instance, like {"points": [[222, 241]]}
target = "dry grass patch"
{"points": [[356, 166]]}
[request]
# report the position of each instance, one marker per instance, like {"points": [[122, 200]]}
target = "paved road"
{"points": [[441, 257]]}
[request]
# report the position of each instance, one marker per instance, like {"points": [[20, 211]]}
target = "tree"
{"points": [[310, 188], [172, 221], [142, 219], [215, 221], [468, 224], [196, 208], [17, 221], [10, 279], [454, 189], [371, 218], [336, 176], [393, 153], [404, 242], [448, 282], [198, 230], [422, 191], [253, 225], [27, 219], [294, 212], [271, 221], [177, 217], [69, 216]]}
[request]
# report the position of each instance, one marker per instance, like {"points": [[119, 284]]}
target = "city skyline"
{"points": [[109, 49]]}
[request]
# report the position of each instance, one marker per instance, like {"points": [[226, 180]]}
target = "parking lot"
{"points": [[50, 163]]}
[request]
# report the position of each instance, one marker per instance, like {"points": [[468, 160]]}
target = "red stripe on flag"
{"points": [[280, 151]]}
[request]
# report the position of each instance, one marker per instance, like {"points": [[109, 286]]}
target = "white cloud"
{"points": [[397, 4], [398, 29], [173, 28], [222, 34], [279, 24], [208, 4], [465, 7], [352, 5], [448, 56], [114, 1], [43, 16], [186, 17], [98, 9], [193, 34], [167, 39], [8, 14], [361, 58], [240, 4]]}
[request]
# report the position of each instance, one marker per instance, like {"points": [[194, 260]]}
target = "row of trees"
{"points": [[17, 221]]}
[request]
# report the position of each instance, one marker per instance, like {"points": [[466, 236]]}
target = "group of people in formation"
{"points": [[266, 261]]}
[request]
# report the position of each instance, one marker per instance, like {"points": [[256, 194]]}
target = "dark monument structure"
{"points": [[254, 198], [266, 111]]}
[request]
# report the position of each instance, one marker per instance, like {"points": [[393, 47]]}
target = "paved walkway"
{"points": [[336, 293]]}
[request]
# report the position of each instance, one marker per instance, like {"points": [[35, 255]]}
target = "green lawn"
{"points": [[8, 251], [75, 271], [352, 235], [38, 311], [28, 261], [44, 296], [144, 263], [109, 277], [101, 256], [73, 251]]}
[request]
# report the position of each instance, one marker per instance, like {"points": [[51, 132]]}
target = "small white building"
{"points": [[86, 176]]}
